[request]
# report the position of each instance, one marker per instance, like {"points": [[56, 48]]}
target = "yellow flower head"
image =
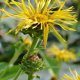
{"points": [[42, 13], [28, 41], [75, 76], [64, 54]]}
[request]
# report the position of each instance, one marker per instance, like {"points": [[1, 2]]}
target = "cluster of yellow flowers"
{"points": [[63, 54], [75, 76], [43, 13]]}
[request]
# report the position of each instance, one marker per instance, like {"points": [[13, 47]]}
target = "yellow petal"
{"points": [[62, 4], [20, 26], [67, 77], [7, 2], [68, 22], [58, 36], [45, 34], [37, 6], [47, 2], [7, 13], [26, 11], [11, 30], [16, 3], [30, 6], [66, 27]]}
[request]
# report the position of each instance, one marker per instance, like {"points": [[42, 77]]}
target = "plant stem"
{"points": [[35, 43], [14, 58], [17, 75], [30, 77], [16, 54]]}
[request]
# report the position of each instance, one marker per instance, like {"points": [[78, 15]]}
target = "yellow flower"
{"points": [[28, 41], [75, 76], [43, 14], [63, 54]]}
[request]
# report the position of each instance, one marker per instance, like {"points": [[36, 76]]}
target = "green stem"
{"points": [[16, 55], [14, 58], [17, 75], [30, 77], [35, 43]]}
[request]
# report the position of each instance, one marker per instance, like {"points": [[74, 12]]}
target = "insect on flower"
{"points": [[42, 14]]}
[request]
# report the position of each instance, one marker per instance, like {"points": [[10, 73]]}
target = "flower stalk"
{"points": [[31, 63], [30, 77], [35, 43]]}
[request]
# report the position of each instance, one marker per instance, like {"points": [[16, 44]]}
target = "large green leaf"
{"points": [[6, 72]]}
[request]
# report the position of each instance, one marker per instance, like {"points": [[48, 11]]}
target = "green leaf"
{"points": [[3, 66], [7, 72]]}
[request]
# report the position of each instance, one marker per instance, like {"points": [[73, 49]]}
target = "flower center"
{"points": [[41, 18]]}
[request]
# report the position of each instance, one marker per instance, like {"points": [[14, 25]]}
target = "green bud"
{"points": [[32, 64]]}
